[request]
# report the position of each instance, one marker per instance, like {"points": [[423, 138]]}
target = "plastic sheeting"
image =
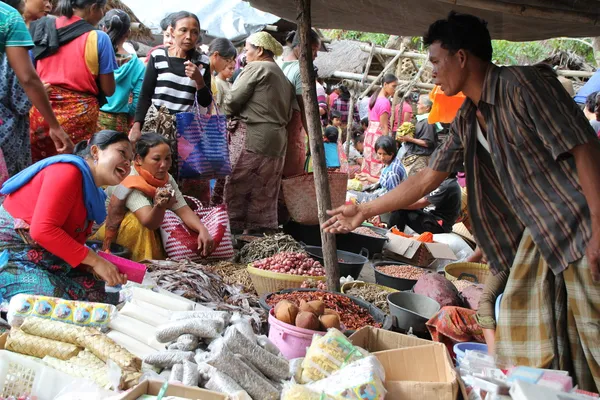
{"points": [[591, 86], [231, 19]]}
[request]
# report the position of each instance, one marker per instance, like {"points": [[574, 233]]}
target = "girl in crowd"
{"points": [[15, 100], [165, 27], [403, 113], [221, 53], [117, 113], [223, 83], [379, 117], [342, 105], [391, 175], [48, 215], [261, 100], [139, 229], [175, 77], [79, 73]]}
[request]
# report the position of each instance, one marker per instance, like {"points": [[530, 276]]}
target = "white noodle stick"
{"points": [[138, 330], [142, 314], [134, 346], [162, 312], [162, 300]]}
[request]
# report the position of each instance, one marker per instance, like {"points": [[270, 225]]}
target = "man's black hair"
{"points": [[461, 31]]}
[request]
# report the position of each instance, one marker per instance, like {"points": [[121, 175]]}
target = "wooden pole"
{"points": [[395, 99], [575, 74], [392, 52], [350, 123], [386, 69], [369, 62], [313, 120], [357, 77]]}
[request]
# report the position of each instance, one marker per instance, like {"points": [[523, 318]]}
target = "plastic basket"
{"points": [[473, 272], [269, 282]]}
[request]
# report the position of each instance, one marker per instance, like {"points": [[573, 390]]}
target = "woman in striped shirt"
{"points": [[174, 76]]}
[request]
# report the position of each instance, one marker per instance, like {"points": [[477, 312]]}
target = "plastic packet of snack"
{"points": [[100, 314], [63, 311], [44, 306], [20, 306], [82, 314]]}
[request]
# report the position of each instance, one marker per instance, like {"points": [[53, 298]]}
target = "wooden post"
{"points": [[395, 100], [369, 62], [350, 123], [386, 69], [317, 149], [351, 76]]}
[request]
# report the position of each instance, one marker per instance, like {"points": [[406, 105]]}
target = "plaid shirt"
{"points": [[528, 179], [343, 107]]}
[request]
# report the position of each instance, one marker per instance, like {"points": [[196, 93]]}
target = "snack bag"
{"points": [[44, 306], [82, 315], [100, 314], [63, 311]]}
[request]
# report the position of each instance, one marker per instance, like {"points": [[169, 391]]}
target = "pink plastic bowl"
{"points": [[289, 339], [135, 271]]}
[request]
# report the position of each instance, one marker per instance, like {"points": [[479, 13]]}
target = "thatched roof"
{"points": [[517, 20], [342, 55]]}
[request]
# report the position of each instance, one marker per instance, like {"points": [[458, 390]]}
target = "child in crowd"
{"points": [[364, 124], [357, 144], [330, 139]]}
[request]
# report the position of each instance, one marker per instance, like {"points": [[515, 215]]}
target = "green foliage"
{"points": [[505, 52]]}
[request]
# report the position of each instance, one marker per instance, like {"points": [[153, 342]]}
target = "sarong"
{"points": [[77, 113], [120, 122], [371, 164], [551, 321], [252, 190], [33, 270]]}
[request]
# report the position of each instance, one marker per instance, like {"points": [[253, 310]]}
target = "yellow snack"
{"points": [[44, 306], [53, 330], [82, 314]]}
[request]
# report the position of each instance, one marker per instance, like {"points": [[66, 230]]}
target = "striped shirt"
{"points": [[343, 107], [528, 179], [13, 32], [392, 175], [166, 84]]}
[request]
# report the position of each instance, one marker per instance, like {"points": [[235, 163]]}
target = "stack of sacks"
{"points": [[220, 352]]}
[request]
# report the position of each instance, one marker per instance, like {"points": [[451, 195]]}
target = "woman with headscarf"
{"points": [[261, 102]]}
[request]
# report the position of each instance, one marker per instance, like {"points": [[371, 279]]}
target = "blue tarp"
{"points": [[593, 85], [231, 19]]}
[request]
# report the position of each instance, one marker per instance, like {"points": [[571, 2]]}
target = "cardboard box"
{"points": [[414, 368], [187, 392], [414, 252]]}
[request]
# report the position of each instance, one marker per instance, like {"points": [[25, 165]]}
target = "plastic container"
{"points": [[268, 282], [460, 349], [353, 242], [350, 263], [392, 281], [289, 339], [378, 315], [411, 310], [135, 271], [115, 249]]}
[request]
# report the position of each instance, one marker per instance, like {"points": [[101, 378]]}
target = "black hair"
{"points": [[359, 139], [387, 78], [65, 7], [314, 38], [116, 23], [166, 22], [269, 53], [331, 134], [461, 31], [102, 139], [224, 46], [344, 93], [16, 4], [289, 38], [149, 140], [365, 121], [334, 114], [192, 54], [590, 102], [387, 144]]}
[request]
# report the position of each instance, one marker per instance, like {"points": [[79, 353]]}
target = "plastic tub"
{"points": [[392, 281], [353, 242], [289, 339], [460, 349], [411, 310], [350, 263]]}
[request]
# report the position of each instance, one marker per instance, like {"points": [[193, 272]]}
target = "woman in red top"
{"points": [[48, 215], [79, 73]]}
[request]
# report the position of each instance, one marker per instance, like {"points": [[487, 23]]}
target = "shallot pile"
{"points": [[291, 263], [363, 230]]}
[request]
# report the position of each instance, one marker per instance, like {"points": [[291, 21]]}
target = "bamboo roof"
{"points": [[517, 20]]}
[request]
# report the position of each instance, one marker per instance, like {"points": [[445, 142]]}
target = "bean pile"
{"points": [[462, 284], [402, 271], [361, 230], [291, 263], [234, 274], [371, 294], [351, 314]]}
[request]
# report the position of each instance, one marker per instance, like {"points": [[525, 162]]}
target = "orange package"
{"points": [[444, 107], [426, 237]]}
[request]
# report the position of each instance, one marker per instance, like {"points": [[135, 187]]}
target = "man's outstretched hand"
{"points": [[344, 219]]}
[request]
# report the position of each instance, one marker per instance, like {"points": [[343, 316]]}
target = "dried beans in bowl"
{"points": [[352, 315]]}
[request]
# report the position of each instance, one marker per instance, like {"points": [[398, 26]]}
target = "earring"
{"points": [[95, 161]]}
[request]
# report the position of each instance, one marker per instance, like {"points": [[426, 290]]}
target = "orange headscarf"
{"points": [[145, 182]]}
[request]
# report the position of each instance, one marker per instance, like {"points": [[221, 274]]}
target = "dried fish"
{"points": [[268, 246], [233, 273]]}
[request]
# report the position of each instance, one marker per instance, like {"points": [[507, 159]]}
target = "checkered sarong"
{"points": [[549, 321]]}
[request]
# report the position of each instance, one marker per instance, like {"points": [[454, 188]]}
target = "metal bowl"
{"points": [[411, 310]]}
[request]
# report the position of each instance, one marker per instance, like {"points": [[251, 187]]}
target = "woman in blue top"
{"points": [[391, 175], [117, 114]]}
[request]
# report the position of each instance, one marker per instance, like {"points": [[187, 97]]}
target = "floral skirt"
{"points": [[30, 269], [371, 164], [120, 122], [77, 113]]}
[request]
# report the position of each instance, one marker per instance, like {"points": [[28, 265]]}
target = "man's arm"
{"points": [[587, 158], [419, 204]]}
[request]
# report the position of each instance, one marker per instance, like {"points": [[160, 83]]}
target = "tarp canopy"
{"points": [[231, 19], [517, 20], [591, 86]]}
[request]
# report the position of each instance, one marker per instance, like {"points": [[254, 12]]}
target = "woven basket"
{"points": [[473, 272], [349, 285], [270, 282], [300, 195]]}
